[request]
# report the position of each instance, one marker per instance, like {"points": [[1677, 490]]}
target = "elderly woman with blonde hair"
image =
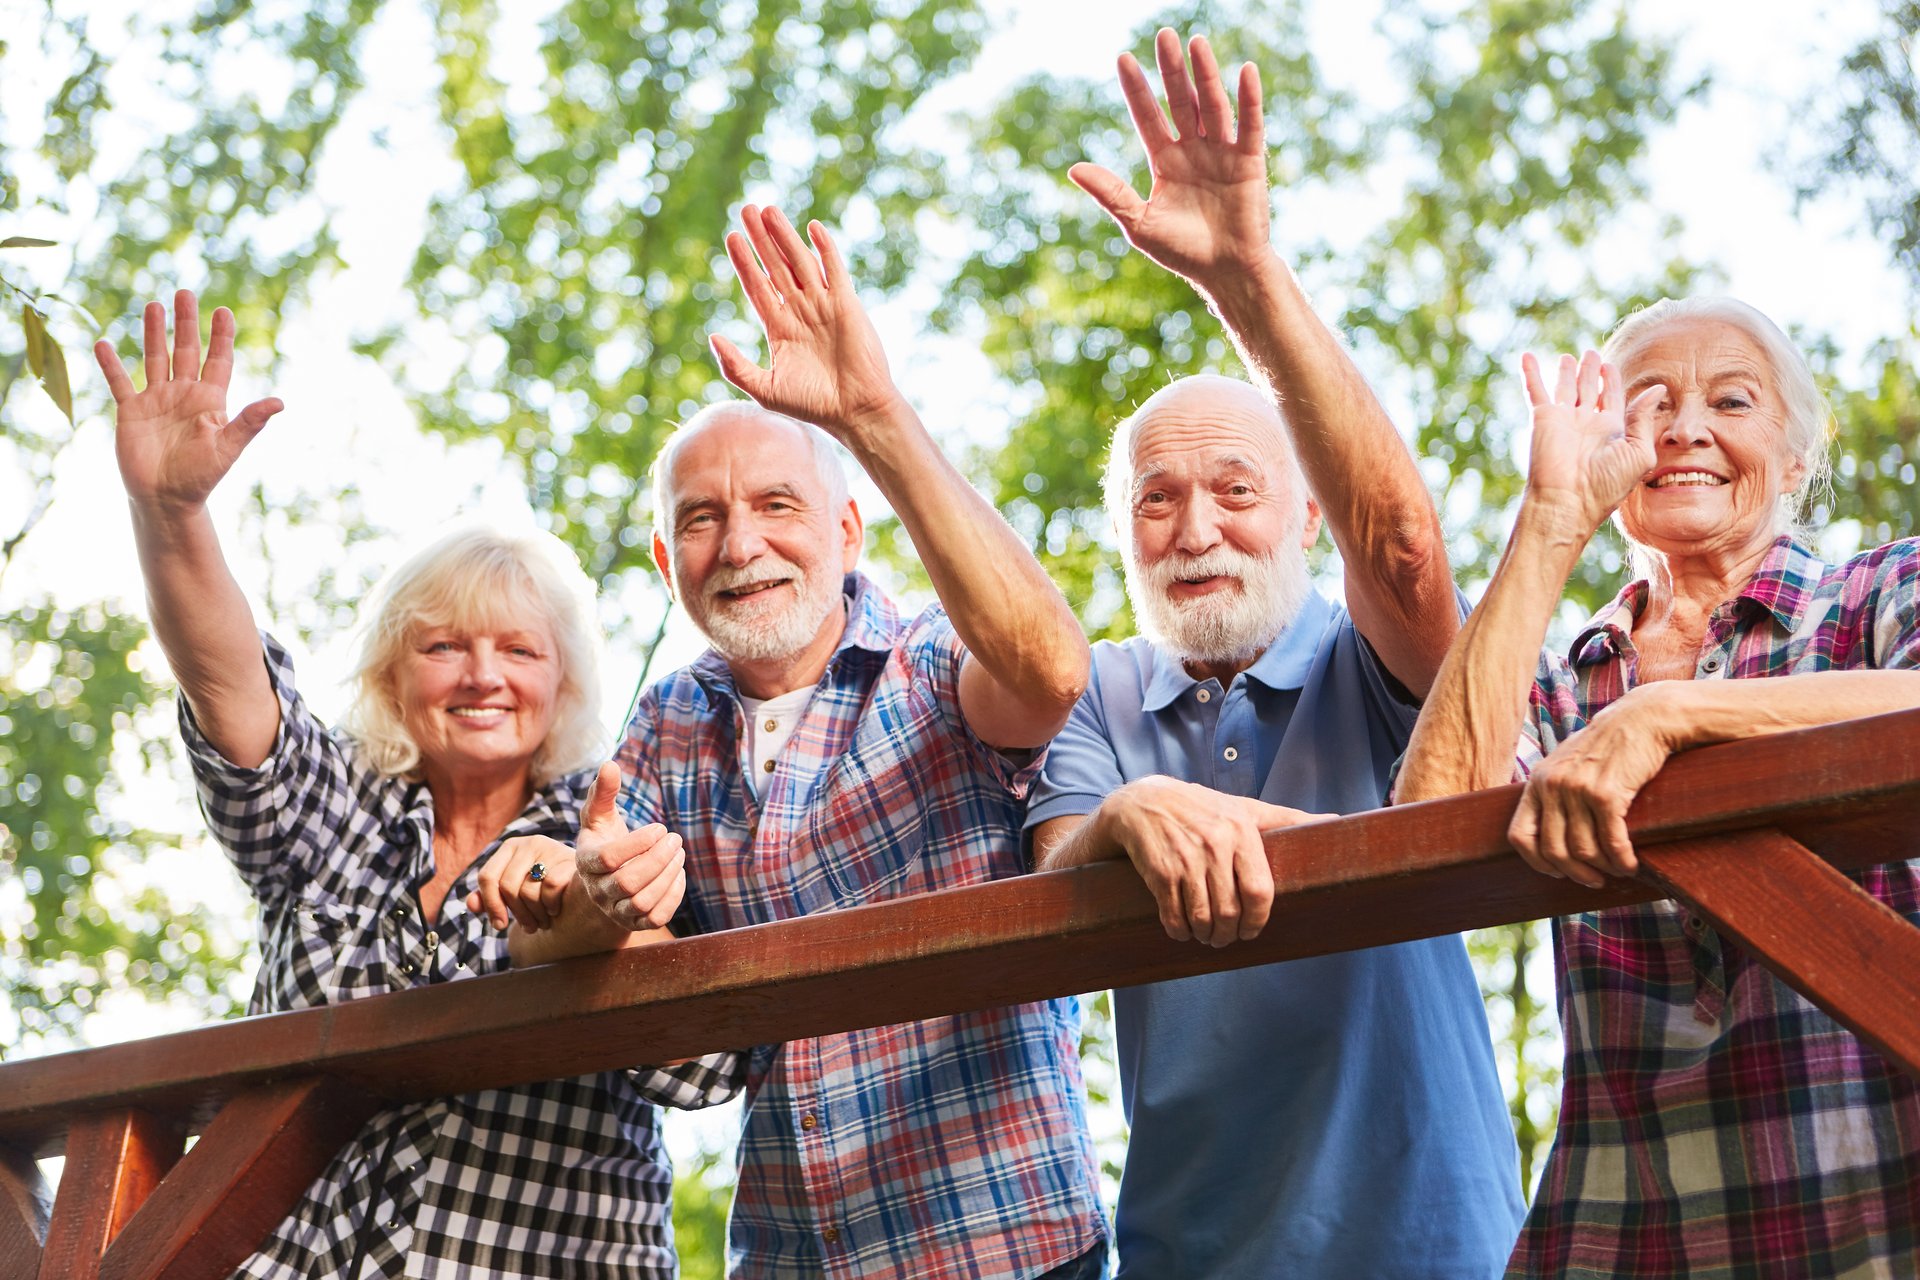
{"points": [[1713, 1122], [391, 853]]}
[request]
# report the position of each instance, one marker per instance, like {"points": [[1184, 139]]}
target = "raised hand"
{"points": [[1207, 215], [636, 878], [827, 365], [1590, 447], [173, 439]]}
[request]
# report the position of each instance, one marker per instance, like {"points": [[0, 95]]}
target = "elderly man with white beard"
{"points": [[1331, 1117]]}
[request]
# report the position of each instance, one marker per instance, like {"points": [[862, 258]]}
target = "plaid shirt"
{"points": [[565, 1178], [1713, 1122], [947, 1147]]}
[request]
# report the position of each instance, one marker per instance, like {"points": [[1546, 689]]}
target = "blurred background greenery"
{"points": [[549, 184]]}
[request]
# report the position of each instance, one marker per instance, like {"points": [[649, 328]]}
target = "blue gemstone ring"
{"points": [[537, 872]]}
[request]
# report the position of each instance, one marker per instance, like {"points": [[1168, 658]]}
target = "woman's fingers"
{"points": [[1535, 384], [186, 336], [219, 366], [117, 380], [1589, 385]]}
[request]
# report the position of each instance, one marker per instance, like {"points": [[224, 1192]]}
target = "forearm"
{"points": [[1005, 610], [205, 627], [1470, 724], [1075, 842], [1370, 493], [581, 931], [1693, 713]]}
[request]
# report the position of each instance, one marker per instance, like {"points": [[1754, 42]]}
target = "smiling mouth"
{"points": [[751, 590], [478, 713], [1686, 480]]}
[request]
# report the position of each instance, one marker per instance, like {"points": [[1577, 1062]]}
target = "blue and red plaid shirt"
{"points": [[952, 1146], [1712, 1121]]}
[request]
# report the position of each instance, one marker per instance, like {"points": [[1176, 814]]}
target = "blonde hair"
{"points": [[479, 578]]}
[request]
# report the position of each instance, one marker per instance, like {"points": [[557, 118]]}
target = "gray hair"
{"points": [[473, 578], [1808, 420], [826, 458]]}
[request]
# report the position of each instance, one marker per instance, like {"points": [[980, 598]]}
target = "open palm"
{"points": [[173, 439], [1208, 209], [1590, 448], [827, 365]]}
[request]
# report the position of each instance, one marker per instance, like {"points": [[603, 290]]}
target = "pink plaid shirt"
{"points": [[1712, 1121], [946, 1147]]}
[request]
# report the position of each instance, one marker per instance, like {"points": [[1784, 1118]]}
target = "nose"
{"points": [[483, 666], [1685, 424], [1197, 528], [742, 545]]}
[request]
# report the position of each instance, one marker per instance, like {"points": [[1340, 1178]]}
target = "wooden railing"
{"points": [[1751, 834]]}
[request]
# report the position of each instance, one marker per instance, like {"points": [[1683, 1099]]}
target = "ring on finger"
{"points": [[537, 872]]}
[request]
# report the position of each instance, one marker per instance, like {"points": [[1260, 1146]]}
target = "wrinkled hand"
{"points": [[508, 891], [1572, 819], [1208, 213], [827, 364], [173, 440], [1201, 854], [636, 878], [1590, 447]]}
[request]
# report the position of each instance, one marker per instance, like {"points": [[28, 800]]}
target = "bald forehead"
{"points": [[1208, 414]]}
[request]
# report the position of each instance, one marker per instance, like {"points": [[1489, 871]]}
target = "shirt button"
{"points": [[809, 1121], [432, 940], [1712, 664], [767, 767], [1696, 924], [400, 912], [772, 725], [1231, 754], [831, 1235], [406, 966], [1204, 695]]}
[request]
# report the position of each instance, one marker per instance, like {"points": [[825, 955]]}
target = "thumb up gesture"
{"points": [[636, 878]]}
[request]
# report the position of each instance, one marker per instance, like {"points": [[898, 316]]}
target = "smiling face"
{"points": [[478, 700], [1216, 557], [756, 548], [1722, 456]]}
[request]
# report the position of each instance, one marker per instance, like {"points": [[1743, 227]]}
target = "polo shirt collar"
{"points": [[1285, 665]]}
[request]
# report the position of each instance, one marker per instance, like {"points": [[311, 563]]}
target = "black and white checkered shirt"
{"points": [[565, 1178]]}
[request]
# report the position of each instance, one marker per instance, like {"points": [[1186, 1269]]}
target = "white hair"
{"points": [[826, 458], [1117, 481], [476, 578], [1808, 420]]}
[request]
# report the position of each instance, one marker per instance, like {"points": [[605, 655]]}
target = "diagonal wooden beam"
{"points": [[1363, 881], [262, 1150], [114, 1161], [1821, 933], [25, 1207]]}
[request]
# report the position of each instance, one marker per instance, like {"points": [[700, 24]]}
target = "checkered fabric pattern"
{"points": [[1713, 1122], [946, 1147], [565, 1178]]}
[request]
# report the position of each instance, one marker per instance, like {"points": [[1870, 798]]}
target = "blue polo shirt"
{"points": [[1333, 1117]]}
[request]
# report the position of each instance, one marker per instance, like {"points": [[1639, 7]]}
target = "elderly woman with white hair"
{"points": [[391, 853], [1713, 1122]]}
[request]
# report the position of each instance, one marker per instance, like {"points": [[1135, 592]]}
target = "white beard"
{"points": [[762, 631], [1227, 627]]}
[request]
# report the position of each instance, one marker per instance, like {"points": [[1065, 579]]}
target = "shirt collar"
{"points": [[1782, 585], [1285, 665], [872, 621]]}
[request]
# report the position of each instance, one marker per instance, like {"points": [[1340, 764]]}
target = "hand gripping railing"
{"points": [[1749, 834]]}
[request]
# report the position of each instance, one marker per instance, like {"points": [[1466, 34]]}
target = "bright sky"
{"points": [[347, 423]]}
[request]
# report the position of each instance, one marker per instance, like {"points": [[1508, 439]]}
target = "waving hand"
{"points": [[1207, 212], [1590, 448], [828, 368], [173, 439]]}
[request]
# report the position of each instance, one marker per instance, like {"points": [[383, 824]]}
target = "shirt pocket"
{"points": [[869, 824], [327, 951]]}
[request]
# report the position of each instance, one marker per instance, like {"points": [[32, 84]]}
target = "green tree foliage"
{"points": [[1874, 150], [580, 260]]}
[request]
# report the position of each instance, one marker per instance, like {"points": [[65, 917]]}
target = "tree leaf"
{"points": [[55, 379], [35, 326], [25, 242]]}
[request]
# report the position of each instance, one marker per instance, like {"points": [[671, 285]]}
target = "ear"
{"points": [[664, 563], [853, 534], [1796, 472], [1310, 527]]}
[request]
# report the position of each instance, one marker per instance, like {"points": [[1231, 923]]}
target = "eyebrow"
{"points": [[687, 506]]}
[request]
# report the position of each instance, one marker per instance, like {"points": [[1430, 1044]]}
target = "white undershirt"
{"points": [[770, 722]]}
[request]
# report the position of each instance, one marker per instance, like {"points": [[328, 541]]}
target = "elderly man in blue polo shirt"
{"points": [[1333, 1117]]}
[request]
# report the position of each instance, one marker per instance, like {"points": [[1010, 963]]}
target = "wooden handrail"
{"points": [[1848, 792]]}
